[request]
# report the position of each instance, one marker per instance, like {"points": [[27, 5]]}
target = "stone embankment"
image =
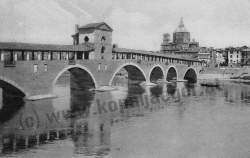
{"points": [[233, 74], [213, 76]]}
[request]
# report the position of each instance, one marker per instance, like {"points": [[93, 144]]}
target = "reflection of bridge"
{"points": [[85, 131], [33, 69], [79, 133]]}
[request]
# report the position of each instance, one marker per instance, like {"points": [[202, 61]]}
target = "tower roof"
{"points": [[95, 25], [181, 27], [166, 34]]}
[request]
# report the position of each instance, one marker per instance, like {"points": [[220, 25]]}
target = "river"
{"points": [[170, 121]]}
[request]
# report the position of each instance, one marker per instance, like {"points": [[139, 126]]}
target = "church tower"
{"points": [[181, 36], [166, 46], [96, 35]]}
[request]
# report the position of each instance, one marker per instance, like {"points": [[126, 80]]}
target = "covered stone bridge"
{"points": [[37, 68]]}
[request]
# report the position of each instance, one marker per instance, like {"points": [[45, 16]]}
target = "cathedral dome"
{"points": [[181, 27]]}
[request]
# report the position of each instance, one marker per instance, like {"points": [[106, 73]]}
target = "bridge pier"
{"points": [[26, 141]]}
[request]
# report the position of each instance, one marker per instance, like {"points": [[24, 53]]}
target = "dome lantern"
{"points": [[181, 27]]}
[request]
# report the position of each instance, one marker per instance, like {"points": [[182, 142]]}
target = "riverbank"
{"points": [[226, 79], [213, 76], [229, 74]]}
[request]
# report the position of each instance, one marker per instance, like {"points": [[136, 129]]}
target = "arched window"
{"points": [[103, 38], [86, 38], [103, 49]]}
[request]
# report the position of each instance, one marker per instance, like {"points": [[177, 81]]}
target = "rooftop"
{"points": [[43, 47], [246, 50], [203, 54], [165, 44], [94, 25], [124, 50], [194, 43]]}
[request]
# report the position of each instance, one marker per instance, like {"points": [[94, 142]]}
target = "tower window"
{"points": [[103, 38], [86, 39], [103, 49]]}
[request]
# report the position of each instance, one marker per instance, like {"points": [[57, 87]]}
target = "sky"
{"points": [[137, 24]]}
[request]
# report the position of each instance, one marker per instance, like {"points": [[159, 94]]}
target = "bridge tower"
{"points": [[98, 36]]}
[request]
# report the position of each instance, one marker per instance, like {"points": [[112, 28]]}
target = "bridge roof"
{"points": [[43, 47], [124, 50]]}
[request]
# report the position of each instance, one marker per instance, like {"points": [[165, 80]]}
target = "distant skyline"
{"points": [[137, 24]]}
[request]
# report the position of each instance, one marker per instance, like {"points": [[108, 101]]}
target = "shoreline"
{"points": [[223, 79]]}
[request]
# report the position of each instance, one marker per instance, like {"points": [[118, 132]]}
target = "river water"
{"points": [[170, 121]]}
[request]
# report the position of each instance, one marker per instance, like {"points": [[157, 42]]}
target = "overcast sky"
{"points": [[137, 24]]}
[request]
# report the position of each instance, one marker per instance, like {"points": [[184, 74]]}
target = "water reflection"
{"points": [[171, 88], [88, 123], [156, 91], [9, 105], [79, 104], [134, 92]]}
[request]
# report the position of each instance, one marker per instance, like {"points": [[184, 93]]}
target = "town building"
{"points": [[184, 47], [245, 60], [237, 56], [234, 56], [182, 44], [204, 57]]}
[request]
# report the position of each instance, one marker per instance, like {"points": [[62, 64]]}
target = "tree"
{"points": [[219, 59]]}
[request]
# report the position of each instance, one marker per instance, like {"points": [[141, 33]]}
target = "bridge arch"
{"points": [[124, 65], [190, 75], [158, 74], [171, 73], [14, 84], [70, 67]]}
